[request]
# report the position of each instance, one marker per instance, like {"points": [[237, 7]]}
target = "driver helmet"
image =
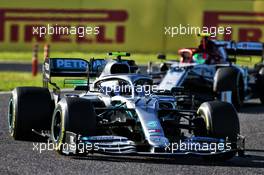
{"points": [[186, 55]]}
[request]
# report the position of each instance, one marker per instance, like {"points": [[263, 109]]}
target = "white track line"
{"points": [[5, 93]]}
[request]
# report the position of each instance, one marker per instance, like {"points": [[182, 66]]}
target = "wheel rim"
{"points": [[10, 117], [57, 126]]}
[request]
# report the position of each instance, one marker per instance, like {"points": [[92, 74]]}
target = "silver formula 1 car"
{"points": [[211, 74], [120, 113]]}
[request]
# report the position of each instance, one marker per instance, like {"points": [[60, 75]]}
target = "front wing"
{"points": [[76, 144]]}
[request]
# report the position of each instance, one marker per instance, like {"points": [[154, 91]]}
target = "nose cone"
{"points": [[158, 143]]}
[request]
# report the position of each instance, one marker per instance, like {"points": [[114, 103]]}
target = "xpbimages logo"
{"points": [[80, 31], [195, 30], [138, 90], [73, 147], [197, 147]]}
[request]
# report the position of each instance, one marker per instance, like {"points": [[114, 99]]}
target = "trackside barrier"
{"points": [[148, 26], [35, 60]]}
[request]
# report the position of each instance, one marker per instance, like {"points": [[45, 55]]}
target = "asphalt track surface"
{"points": [[17, 67], [18, 157]]}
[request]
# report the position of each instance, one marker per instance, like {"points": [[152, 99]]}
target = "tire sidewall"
{"points": [[59, 142], [237, 94], [13, 125], [206, 112], [12, 118]]}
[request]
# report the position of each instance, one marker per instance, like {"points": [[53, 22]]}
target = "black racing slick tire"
{"points": [[221, 121], [75, 115], [261, 85], [230, 79], [29, 108]]}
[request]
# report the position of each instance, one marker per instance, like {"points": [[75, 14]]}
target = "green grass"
{"points": [[10, 80], [248, 61]]}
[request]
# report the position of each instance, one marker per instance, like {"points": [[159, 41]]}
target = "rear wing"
{"points": [[242, 48], [77, 67], [64, 67]]}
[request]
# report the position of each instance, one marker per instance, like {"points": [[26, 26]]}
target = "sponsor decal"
{"points": [[246, 26], [16, 25], [71, 64], [154, 130], [152, 124]]}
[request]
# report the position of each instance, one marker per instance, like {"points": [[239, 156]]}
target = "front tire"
{"points": [[72, 114], [221, 121]]}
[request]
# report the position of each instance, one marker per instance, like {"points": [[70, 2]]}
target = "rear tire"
{"points": [[72, 114], [221, 121], [29, 108]]}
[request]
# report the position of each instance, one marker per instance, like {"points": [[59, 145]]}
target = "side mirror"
{"points": [[164, 67], [161, 57]]}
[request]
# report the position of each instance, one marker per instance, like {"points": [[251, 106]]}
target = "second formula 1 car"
{"points": [[211, 73]]}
